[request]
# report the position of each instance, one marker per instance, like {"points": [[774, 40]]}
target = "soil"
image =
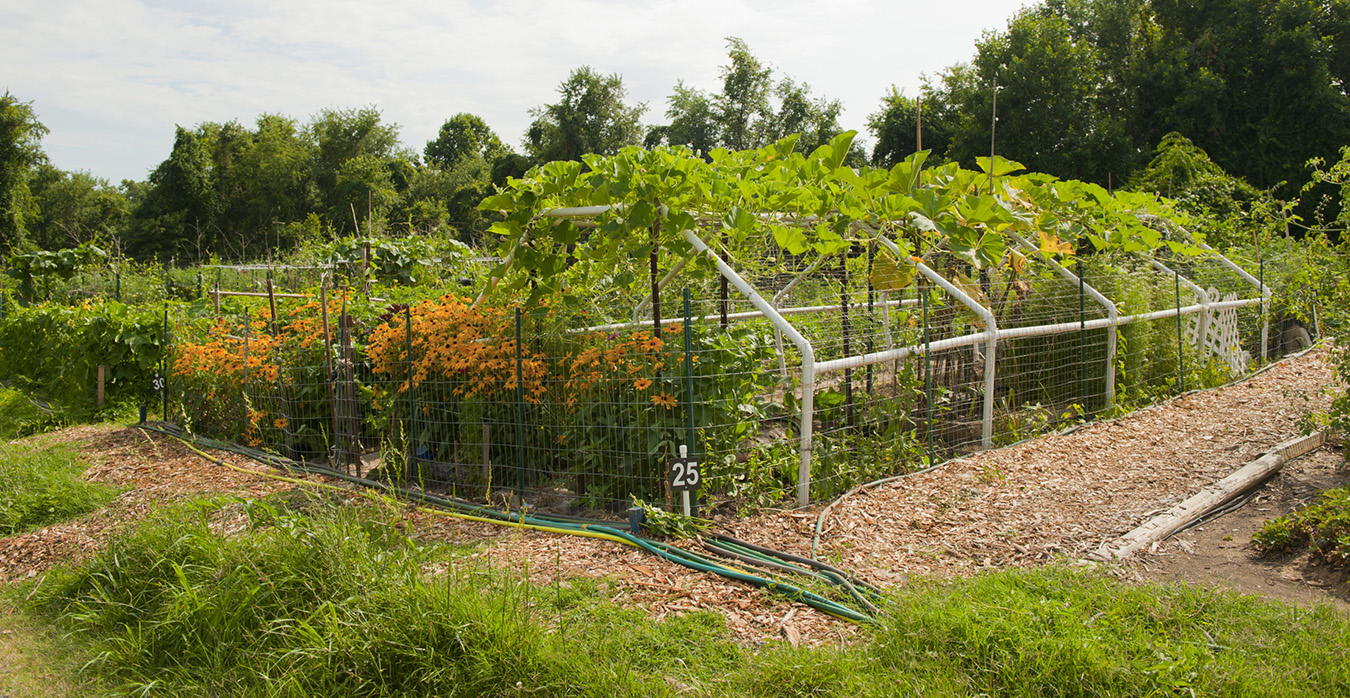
{"points": [[1051, 499], [1219, 552]]}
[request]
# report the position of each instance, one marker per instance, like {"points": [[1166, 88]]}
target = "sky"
{"points": [[111, 78]]}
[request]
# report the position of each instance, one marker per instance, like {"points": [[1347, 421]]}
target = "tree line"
{"points": [[1081, 89]]}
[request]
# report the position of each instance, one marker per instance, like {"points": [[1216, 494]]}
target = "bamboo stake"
{"points": [[272, 302]]}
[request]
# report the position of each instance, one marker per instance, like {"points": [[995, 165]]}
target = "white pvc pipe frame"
{"points": [[989, 337]]}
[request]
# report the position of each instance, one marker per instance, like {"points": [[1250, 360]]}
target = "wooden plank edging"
{"points": [[1209, 498]]}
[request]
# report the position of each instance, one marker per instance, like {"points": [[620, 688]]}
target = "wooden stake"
{"points": [[272, 301], [102, 374]]}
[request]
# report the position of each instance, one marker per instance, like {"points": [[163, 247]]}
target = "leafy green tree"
{"points": [[743, 104], [590, 117], [1230, 209], [895, 128], [74, 208], [340, 135], [20, 151], [367, 182], [751, 111], [174, 219], [448, 197], [1052, 112], [1260, 86], [693, 118], [461, 136], [815, 118]]}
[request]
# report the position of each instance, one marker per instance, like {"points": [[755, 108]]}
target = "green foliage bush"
{"points": [[1322, 527], [55, 351], [41, 486]]}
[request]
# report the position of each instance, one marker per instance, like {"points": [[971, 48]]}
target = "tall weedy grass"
{"points": [[303, 598], [334, 602]]}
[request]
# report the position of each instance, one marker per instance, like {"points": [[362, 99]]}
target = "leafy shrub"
{"points": [[56, 350], [42, 486], [1323, 527]]}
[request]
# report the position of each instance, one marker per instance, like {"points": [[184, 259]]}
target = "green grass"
{"points": [[41, 485], [19, 417], [36, 659], [1322, 527], [311, 599]]}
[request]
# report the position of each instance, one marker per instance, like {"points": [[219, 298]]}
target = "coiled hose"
{"points": [[828, 577]]}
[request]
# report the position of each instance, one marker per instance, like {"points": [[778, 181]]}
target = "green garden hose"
{"points": [[474, 512]]}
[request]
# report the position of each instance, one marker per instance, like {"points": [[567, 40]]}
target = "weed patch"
{"points": [[1323, 527], [19, 417], [324, 600]]}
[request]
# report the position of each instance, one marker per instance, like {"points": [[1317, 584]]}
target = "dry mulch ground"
{"points": [[1053, 498]]}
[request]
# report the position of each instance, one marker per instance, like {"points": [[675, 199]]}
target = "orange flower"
{"points": [[642, 384], [280, 423], [663, 400]]}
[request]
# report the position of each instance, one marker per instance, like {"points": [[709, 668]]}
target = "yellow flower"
{"points": [[642, 384], [280, 423], [663, 400]]}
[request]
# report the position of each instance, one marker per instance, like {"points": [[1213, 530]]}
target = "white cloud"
{"points": [[110, 78]]}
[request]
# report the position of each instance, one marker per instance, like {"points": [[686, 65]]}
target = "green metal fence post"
{"points": [[520, 412], [1082, 328], [692, 437], [164, 361], [1262, 281], [927, 369], [412, 399]]}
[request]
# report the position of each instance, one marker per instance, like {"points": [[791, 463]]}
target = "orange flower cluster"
{"points": [[222, 354], [631, 358], [473, 347]]}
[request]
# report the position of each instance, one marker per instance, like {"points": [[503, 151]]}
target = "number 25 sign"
{"points": [[684, 474]]}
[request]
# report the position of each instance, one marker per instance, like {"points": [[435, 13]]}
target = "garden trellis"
{"points": [[799, 326]]}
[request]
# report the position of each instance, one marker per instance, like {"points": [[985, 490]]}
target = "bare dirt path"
{"points": [[1219, 551]]}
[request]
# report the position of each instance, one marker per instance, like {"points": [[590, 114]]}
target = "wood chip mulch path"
{"points": [[153, 468], [1054, 498]]}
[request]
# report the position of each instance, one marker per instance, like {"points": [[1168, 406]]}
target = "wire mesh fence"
{"points": [[829, 375]]}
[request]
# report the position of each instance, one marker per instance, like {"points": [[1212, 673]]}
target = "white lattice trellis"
{"points": [[1221, 333]]}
